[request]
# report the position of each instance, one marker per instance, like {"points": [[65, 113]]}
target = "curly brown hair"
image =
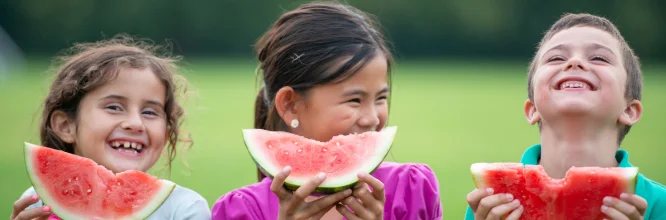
{"points": [[87, 66]]}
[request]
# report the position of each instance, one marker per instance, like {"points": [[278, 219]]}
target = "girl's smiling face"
{"points": [[120, 125]]}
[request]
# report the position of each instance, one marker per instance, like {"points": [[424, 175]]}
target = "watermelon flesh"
{"points": [[78, 188], [341, 158], [579, 195]]}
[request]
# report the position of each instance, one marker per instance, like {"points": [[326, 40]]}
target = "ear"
{"points": [[63, 126], [531, 112], [286, 104], [632, 113]]}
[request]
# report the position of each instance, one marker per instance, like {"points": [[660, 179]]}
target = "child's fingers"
{"points": [[377, 186], [500, 211], [639, 202], [515, 215], [346, 213], [306, 189], [627, 210], [474, 197], [34, 213], [613, 213], [278, 181], [23, 203], [359, 210], [368, 200], [490, 202], [327, 202]]}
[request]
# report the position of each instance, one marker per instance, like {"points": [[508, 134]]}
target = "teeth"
{"points": [[115, 144], [127, 144], [133, 145], [139, 146]]}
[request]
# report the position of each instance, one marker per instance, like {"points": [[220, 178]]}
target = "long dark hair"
{"points": [[316, 43]]}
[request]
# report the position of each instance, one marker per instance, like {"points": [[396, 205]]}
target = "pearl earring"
{"points": [[294, 123]]}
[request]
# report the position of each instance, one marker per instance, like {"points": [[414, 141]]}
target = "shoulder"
{"points": [[411, 189], [391, 172], [185, 203], [252, 201], [655, 194]]}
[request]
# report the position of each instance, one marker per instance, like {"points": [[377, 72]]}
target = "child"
{"points": [[326, 72], [584, 90], [110, 93]]}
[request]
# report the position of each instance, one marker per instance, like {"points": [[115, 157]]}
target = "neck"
{"points": [[576, 142]]}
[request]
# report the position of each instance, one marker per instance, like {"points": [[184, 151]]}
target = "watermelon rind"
{"points": [[330, 185], [166, 187]]}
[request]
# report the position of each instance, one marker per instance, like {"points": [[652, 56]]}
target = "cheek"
{"points": [[157, 131]]}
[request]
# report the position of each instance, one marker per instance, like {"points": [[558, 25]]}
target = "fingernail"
{"points": [[509, 197], [286, 169], [624, 196], [321, 176], [34, 197], [604, 208], [515, 202], [607, 199], [361, 174], [47, 208], [489, 190], [348, 192]]}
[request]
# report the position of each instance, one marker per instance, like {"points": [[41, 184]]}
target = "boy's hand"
{"points": [[487, 206], [629, 206]]}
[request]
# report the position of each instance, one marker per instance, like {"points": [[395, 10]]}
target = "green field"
{"points": [[450, 114]]}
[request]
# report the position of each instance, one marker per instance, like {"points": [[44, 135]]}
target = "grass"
{"points": [[450, 115]]}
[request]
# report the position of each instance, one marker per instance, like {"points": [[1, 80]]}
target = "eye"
{"points": [[599, 58], [357, 100], [555, 58], [113, 107], [150, 112]]}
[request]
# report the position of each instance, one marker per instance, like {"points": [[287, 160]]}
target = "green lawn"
{"points": [[450, 114]]}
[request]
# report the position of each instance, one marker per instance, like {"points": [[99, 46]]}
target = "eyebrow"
{"points": [[594, 46], [151, 102], [363, 93]]}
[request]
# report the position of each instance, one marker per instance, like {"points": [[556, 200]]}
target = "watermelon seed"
{"points": [[337, 143], [77, 178], [108, 191], [324, 149], [286, 153], [119, 183], [69, 180], [300, 150], [296, 143], [270, 146], [89, 190]]}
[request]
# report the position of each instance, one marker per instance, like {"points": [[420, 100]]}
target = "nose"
{"points": [[133, 123], [575, 63], [369, 119]]}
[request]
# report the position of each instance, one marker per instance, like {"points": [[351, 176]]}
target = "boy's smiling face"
{"points": [[580, 72]]}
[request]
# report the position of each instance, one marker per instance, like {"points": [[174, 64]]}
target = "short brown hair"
{"points": [[87, 66], [634, 84]]}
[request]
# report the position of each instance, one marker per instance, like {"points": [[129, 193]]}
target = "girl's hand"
{"points": [[19, 212], [371, 204], [293, 205], [629, 206], [485, 205]]}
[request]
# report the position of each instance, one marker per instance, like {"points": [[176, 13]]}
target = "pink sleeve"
{"points": [[236, 205], [412, 193]]}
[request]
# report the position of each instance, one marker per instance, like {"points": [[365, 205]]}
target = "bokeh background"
{"points": [[458, 91]]}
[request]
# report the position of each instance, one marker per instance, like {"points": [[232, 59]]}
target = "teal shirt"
{"points": [[653, 192]]}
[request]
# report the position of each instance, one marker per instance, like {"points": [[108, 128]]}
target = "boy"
{"points": [[584, 91]]}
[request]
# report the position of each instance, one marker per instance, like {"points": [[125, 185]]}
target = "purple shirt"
{"points": [[412, 192]]}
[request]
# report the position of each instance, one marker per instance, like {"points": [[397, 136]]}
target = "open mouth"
{"points": [[129, 147], [575, 84]]}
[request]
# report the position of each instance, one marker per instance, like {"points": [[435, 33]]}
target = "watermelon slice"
{"points": [[341, 158], [78, 188], [579, 195]]}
